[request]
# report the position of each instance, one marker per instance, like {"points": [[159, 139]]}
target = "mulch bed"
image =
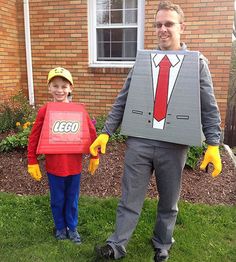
{"points": [[197, 186]]}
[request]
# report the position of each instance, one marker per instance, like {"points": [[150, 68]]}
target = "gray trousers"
{"points": [[142, 158]]}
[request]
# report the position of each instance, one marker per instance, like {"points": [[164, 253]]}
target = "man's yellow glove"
{"points": [[35, 172], [100, 142], [212, 155], [93, 165]]}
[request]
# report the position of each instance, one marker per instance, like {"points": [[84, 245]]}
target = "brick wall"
{"points": [[10, 69], [59, 38]]}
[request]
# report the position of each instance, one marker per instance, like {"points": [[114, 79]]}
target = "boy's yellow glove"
{"points": [[212, 155], [93, 165], [100, 142], [35, 172]]}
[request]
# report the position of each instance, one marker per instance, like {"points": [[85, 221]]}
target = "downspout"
{"points": [[28, 53]]}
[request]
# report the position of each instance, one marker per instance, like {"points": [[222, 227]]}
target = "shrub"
{"points": [[17, 109], [16, 115], [194, 154], [19, 140]]}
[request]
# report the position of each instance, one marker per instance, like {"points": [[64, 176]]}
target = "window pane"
{"points": [[131, 34], [103, 35], [102, 17], [116, 4], [111, 14], [117, 35], [102, 4], [117, 17], [130, 16], [130, 50], [116, 50], [103, 51], [130, 4], [127, 34]]}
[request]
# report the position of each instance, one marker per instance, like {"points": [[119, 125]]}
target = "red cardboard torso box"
{"points": [[66, 129]]}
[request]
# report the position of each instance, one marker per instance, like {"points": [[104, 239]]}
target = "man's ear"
{"points": [[182, 27]]}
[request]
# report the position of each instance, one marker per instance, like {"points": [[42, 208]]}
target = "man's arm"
{"points": [[113, 120], [210, 117], [115, 116]]}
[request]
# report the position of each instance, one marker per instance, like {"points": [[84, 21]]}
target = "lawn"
{"points": [[203, 233]]}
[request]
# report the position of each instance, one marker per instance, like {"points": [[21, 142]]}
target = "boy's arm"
{"points": [[34, 137], [33, 167], [93, 164]]}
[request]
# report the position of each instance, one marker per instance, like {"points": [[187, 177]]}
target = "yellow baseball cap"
{"points": [[60, 71]]}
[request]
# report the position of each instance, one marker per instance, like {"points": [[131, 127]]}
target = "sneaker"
{"points": [[61, 234], [161, 255], [106, 252], [74, 236]]}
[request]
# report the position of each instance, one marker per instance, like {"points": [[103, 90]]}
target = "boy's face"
{"points": [[60, 88]]}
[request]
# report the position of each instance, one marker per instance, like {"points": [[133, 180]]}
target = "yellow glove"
{"points": [[35, 172], [212, 155], [100, 142], [93, 165]]}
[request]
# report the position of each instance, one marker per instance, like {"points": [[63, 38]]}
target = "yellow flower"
{"points": [[26, 125], [17, 123]]}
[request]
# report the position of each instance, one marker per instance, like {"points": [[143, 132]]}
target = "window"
{"points": [[115, 31]]}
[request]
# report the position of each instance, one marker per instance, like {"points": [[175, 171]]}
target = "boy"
{"points": [[63, 169]]}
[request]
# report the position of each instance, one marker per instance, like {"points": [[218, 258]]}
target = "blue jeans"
{"points": [[64, 194]]}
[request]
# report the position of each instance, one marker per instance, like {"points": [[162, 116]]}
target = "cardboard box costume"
{"points": [[172, 115], [65, 130]]}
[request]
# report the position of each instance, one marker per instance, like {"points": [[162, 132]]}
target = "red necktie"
{"points": [[160, 104]]}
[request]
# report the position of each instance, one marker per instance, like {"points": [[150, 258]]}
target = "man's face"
{"points": [[168, 29]]}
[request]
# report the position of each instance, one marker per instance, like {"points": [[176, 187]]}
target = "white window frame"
{"points": [[92, 37]]}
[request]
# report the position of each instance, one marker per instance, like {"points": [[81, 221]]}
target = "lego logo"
{"points": [[65, 127]]}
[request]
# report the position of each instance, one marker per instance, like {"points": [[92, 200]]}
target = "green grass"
{"points": [[203, 233]]}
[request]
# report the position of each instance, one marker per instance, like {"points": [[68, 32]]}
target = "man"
{"points": [[167, 160]]}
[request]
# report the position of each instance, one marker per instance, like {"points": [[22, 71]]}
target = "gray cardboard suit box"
{"points": [[183, 120]]}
